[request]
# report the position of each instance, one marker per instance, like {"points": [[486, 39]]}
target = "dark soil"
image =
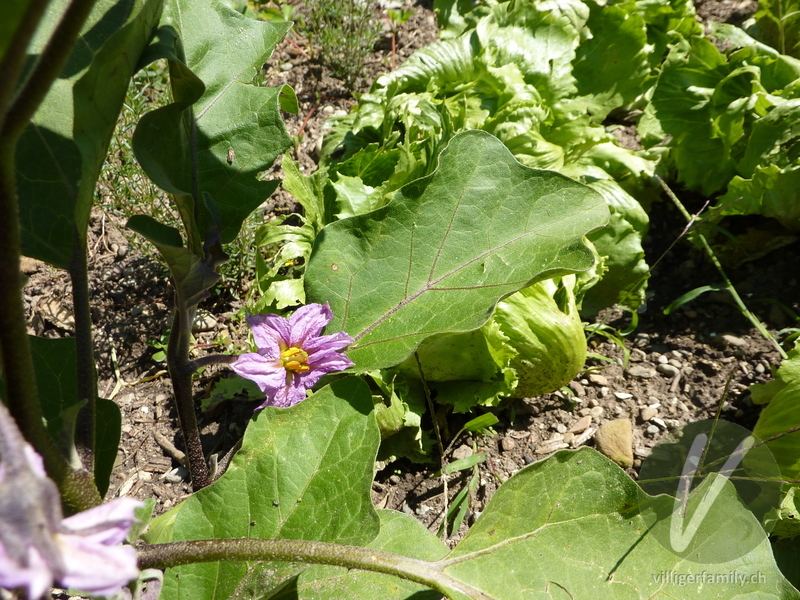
{"points": [[711, 351]]}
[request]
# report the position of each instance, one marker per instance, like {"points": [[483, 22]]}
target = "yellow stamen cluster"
{"points": [[294, 359]]}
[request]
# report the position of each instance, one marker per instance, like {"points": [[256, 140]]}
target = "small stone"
{"points": [[637, 355], [552, 446], [728, 339], [660, 423], [593, 402], [581, 424], [668, 369], [287, 66], [568, 437], [603, 392], [675, 363], [652, 429], [29, 265], [582, 438], [176, 475], [641, 371], [597, 379], [760, 369], [585, 411], [662, 360], [615, 440], [395, 479], [461, 452], [577, 388], [647, 413], [507, 444], [121, 252], [597, 412], [623, 395], [204, 321], [561, 428]]}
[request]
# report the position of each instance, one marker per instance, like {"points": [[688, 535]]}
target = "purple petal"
{"points": [[36, 577], [269, 376], [95, 567], [106, 524], [307, 323], [34, 460], [324, 363], [325, 343], [270, 331], [289, 395]]}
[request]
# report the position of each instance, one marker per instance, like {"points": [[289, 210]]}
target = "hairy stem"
{"points": [[430, 574], [180, 372], [211, 359], [86, 425]]}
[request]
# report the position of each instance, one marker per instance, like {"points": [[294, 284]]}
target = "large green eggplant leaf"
{"points": [[222, 131], [54, 362], [303, 472], [448, 247], [571, 527], [59, 156]]}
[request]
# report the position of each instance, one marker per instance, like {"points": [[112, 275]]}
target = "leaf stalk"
{"points": [[430, 574]]}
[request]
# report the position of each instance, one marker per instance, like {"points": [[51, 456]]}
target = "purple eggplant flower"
{"points": [[39, 548], [292, 355]]}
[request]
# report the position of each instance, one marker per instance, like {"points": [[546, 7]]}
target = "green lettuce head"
{"points": [[534, 344]]}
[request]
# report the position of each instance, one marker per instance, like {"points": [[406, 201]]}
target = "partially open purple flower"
{"points": [[292, 355], [39, 548]]}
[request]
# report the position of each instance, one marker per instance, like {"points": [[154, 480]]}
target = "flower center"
{"points": [[294, 359]]}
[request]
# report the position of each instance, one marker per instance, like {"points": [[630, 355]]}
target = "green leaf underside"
{"points": [[446, 249], [303, 473], [60, 155], [222, 131]]}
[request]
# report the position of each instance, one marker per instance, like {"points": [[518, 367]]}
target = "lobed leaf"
{"points": [[446, 249]]}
